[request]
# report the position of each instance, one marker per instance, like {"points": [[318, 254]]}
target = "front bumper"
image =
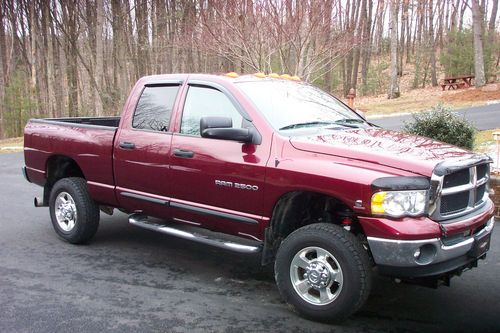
{"points": [[428, 257]]}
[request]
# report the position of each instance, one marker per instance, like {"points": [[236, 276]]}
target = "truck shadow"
{"points": [[466, 304]]}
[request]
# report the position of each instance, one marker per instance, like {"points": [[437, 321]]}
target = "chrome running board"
{"points": [[143, 222]]}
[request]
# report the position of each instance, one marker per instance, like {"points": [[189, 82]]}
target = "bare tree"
{"points": [[99, 57], [432, 43], [3, 66], [76, 57], [393, 27], [477, 22]]}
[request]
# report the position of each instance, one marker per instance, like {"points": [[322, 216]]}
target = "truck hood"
{"points": [[402, 151]]}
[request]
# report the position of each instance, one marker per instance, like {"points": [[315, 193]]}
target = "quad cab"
{"points": [[274, 166]]}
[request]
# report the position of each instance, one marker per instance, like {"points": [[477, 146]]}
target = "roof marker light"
{"points": [[232, 75], [274, 75], [260, 75], [285, 76]]}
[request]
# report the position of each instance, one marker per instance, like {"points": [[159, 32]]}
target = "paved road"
{"points": [[134, 280], [483, 117]]}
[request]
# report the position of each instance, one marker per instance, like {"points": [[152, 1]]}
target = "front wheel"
{"points": [[323, 272], [75, 216]]}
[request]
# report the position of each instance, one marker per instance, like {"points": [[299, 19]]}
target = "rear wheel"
{"points": [[323, 272], [75, 216]]}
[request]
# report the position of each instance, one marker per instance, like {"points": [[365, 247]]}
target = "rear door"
{"points": [[141, 154], [216, 183]]}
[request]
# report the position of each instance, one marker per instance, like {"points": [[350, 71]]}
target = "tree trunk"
{"points": [[432, 43], [380, 26], [33, 59], [3, 67], [418, 42], [461, 17], [99, 55], [404, 19], [491, 28], [393, 27], [70, 21], [49, 55], [477, 20], [366, 50], [491, 24], [361, 22], [409, 23]]}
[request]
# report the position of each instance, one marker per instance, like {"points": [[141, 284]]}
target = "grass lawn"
{"points": [[484, 140], [11, 145]]}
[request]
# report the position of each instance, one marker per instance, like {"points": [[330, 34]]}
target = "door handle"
{"points": [[183, 153], [127, 145]]}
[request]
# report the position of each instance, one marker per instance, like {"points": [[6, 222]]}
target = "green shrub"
{"points": [[442, 125]]}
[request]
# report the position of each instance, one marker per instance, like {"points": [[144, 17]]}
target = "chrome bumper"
{"points": [[418, 253]]}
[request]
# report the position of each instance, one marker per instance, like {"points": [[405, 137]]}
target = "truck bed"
{"points": [[87, 141], [83, 122]]}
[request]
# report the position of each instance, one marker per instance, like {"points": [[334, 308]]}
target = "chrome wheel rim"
{"points": [[65, 211], [316, 275]]}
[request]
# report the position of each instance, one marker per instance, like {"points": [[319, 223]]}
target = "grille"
{"points": [[462, 192], [454, 203], [480, 193], [482, 171], [458, 178]]}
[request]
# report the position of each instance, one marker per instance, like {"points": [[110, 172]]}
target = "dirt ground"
{"points": [[472, 95], [417, 100], [422, 99]]}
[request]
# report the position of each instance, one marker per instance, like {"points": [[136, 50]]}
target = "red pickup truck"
{"points": [[270, 165]]}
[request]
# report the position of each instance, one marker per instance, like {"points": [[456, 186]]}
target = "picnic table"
{"points": [[457, 82]]}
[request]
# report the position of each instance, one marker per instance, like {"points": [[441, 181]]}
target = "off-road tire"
{"points": [[351, 257], [87, 220]]}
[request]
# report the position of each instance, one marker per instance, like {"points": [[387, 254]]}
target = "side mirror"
{"points": [[222, 128], [215, 122]]}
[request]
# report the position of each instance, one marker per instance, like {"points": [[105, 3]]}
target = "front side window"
{"points": [[206, 102], [154, 108]]}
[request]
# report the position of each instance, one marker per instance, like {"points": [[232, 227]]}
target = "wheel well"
{"points": [[297, 209], [59, 167]]}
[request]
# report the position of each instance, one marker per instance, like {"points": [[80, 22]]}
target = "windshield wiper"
{"points": [[308, 124], [350, 122]]}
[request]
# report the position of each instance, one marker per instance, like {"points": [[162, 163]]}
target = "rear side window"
{"points": [[154, 108]]}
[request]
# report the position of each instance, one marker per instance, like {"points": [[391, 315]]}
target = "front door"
{"points": [[216, 183]]}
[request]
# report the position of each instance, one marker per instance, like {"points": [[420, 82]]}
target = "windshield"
{"points": [[290, 105]]}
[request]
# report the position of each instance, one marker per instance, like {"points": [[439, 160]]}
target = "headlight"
{"points": [[399, 203]]}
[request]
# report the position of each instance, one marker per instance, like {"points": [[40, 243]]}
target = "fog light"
{"points": [[425, 254]]}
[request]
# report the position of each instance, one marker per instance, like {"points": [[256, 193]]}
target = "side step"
{"points": [[143, 222]]}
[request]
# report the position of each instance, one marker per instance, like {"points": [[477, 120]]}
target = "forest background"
{"points": [[80, 58]]}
